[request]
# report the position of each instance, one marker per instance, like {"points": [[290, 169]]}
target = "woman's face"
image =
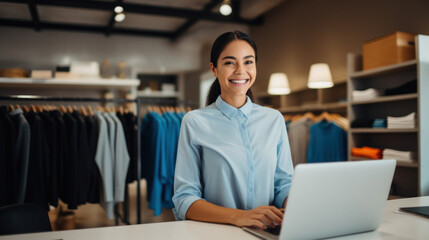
{"points": [[236, 70]]}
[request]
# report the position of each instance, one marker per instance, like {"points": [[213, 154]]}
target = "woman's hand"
{"points": [[261, 217]]}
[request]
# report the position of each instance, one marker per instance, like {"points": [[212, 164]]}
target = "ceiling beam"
{"points": [[188, 24], [141, 9], [86, 28], [112, 21], [34, 16]]}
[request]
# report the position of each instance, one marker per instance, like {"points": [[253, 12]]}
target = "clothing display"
{"points": [[402, 156], [408, 121], [20, 145], [368, 152], [328, 143], [408, 87], [362, 123], [232, 171], [299, 136], [364, 95], [159, 139], [379, 123], [55, 155]]}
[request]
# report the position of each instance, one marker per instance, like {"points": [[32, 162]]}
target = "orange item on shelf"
{"points": [[369, 152]]}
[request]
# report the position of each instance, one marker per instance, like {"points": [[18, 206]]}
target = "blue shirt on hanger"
{"points": [[328, 143], [236, 158], [153, 158]]}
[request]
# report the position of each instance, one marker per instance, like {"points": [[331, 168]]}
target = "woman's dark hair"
{"points": [[218, 46]]}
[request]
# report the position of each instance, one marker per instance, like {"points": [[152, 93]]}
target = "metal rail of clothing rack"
{"points": [[125, 217]]}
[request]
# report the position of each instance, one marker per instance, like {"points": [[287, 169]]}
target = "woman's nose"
{"points": [[239, 69]]}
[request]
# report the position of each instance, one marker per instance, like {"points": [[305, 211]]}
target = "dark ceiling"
{"points": [[163, 18]]}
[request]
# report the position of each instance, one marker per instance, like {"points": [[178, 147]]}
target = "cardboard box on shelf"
{"points": [[394, 48], [41, 74]]}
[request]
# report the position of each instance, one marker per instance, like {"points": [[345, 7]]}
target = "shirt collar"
{"points": [[230, 111]]}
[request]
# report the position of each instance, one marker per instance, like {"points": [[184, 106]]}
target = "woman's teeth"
{"points": [[238, 81]]}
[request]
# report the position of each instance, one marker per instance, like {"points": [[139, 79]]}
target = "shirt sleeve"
{"points": [[284, 169], [187, 178]]}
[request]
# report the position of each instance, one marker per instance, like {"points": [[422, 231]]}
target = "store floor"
{"points": [[93, 215]]}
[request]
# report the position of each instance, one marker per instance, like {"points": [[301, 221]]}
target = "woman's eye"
{"points": [[229, 63], [249, 62]]}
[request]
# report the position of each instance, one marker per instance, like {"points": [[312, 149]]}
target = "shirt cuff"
{"points": [[280, 198], [183, 208]]}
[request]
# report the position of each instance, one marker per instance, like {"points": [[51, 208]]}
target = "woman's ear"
{"points": [[214, 70]]}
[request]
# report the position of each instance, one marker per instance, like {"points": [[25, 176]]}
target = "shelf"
{"points": [[157, 94], [387, 99], [385, 70], [383, 130], [398, 163], [315, 107], [85, 83]]}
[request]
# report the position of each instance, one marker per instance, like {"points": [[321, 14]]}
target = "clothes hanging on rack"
{"points": [[328, 143], [18, 162], [51, 155], [299, 136], [160, 136], [317, 138]]}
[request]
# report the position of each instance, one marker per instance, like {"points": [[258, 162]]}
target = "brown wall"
{"points": [[298, 33]]}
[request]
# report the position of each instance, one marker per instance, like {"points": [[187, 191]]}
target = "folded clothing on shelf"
{"points": [[362, 123], [379, 123], [408, 87], [403, 156], [408, 121], [369, 123], [369, 152], [367, 94]]}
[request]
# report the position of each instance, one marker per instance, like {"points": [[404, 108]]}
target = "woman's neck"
{"points": [[235, 101]]}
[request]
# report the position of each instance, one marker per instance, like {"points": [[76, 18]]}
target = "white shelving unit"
{"points": [[411, 179], [71, 87]]}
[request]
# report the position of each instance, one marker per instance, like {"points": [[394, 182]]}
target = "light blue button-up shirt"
{"points": [[235, 158]]}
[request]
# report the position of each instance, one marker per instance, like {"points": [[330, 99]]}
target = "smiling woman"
{"points": [[233, 159], [233, 63]]}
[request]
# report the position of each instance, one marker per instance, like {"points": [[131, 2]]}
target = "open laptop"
{"points": [[334, 199]]}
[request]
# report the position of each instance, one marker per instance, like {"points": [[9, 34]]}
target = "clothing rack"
{"points": [[125, 218], [167, 101]]}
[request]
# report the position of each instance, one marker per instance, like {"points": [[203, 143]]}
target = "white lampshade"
{"points": [[320, 76], [278, 84]]}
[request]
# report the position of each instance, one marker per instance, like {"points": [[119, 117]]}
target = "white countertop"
{"points": [[394, 226]]}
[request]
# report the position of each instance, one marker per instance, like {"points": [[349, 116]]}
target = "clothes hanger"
{"points": [[99, 108], [91, 113], [25, 109], [83, 111], [309, 115], [69, 109], [296, 117], [10, 108], [63, 109], [39, 108], [33, 108], [121, 110]]}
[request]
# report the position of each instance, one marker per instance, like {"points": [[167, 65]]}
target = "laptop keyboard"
{"points": [[273, 230]]}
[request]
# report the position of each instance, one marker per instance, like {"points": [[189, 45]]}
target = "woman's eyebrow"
{"points": [[229, 57], [234, 58]]}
